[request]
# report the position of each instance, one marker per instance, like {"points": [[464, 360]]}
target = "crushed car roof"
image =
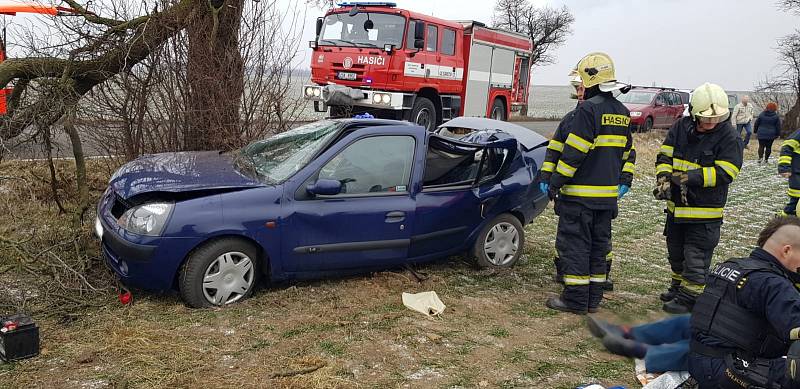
{"points": [[529, 139]]}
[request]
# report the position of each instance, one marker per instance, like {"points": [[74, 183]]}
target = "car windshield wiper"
{"points": [[340, 40]]}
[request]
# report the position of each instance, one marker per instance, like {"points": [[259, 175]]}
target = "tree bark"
{"points": [[215, 77]]}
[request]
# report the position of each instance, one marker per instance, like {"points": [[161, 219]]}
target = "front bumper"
{"points": [[397, 100], [144, 262]]}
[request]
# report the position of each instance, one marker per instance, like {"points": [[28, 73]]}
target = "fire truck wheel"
{"points": [[498, 110], [424, 113]]}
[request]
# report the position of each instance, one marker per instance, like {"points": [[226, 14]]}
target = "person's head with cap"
{"points": [[598, 74]]}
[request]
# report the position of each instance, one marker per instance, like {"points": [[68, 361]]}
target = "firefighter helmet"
{"points": [[709, 103], [575, 78], [598, 69]]}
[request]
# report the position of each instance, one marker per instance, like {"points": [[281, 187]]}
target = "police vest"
{"points": [[718, 314]]}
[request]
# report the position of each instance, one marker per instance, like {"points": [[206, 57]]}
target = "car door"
{"points": [[660, 110], [365, 226], [676, 108], [454, 193]]}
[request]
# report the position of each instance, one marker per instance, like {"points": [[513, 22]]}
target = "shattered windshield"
{"points": [[362, 30], [275, 159]]}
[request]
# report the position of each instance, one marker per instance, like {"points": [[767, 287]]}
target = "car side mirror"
{"points": [[419, 43], [324, 187], [319, 27]]}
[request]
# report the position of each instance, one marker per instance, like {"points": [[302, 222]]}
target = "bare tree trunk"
{"points": [[48, 148], [791, 121], [215, 74], [80, 167]]}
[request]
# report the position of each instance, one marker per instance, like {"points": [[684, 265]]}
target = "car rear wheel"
{"points": [[498, 110], [219, 273], [424, 113], [648, 124], [500, 242]]}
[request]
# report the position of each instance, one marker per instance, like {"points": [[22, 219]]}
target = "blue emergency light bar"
{"points": [[368, 4]]}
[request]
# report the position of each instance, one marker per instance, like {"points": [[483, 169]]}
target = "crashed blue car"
{"points": [[332, 197]]}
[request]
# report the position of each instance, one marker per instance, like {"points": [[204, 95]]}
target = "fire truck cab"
{"points": [[397, 64]]}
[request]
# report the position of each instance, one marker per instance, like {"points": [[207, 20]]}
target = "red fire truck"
{"points": [[397, 64]]}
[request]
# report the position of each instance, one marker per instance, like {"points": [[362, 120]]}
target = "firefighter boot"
{"points": [[669, 295], [559, 276], [682, 303], [559, 305]]}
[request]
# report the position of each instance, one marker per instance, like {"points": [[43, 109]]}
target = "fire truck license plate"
{"points": [[346, 76]]}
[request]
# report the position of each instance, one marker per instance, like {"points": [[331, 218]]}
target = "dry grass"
{"points": [[495, 332]]}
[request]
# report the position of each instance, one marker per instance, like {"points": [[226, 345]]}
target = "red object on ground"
{"points": [[125, 297]]}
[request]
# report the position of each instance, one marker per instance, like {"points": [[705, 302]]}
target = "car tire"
{"points": [[648, 124], [424, 113], [220, 266], [498, 111], [508, 237]]}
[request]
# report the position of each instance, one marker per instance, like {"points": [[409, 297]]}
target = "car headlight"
{"points": [[386, 99], [635, 114], [309, 91], [146, 219], [316, 92], [376, 98]]}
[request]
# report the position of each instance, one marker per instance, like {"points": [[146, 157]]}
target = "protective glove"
{"points": [[543, 186], [662, 190], [679, 178], [623, 189], [552, 192], [793, 362]]}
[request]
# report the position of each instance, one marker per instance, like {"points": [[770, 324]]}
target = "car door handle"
{"points": [[395, 217]]}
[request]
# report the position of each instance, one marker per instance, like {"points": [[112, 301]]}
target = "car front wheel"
{"points": [[648, 124], [500, 242], [219, 273]]}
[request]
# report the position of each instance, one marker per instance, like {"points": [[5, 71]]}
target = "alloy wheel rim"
{"points": [[501, 243], [228, 278]]}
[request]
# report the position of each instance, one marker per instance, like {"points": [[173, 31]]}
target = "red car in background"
{"points": [[652, 107]]}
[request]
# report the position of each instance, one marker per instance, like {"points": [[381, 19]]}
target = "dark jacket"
{"points": [[789, 162], [712, 161], [767, 126], [749, 306], [556, 146], [598, 154]]}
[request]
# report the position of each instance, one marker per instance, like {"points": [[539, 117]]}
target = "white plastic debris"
{"points": [[668, 380], [427, 303]]}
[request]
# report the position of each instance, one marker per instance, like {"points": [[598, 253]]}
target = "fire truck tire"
{"points": [[424, 113], [498, 110]]}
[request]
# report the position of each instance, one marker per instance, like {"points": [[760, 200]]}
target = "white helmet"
{"points": [[709, 104]]}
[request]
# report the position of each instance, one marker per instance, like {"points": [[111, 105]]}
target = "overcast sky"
{"points": [[680, 43]]}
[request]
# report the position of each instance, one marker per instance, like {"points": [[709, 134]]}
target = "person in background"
{"points": [[742, 118], [767, 128], [663, 344]]}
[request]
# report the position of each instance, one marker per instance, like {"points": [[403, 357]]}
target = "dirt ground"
{"points": [[355, 332]]}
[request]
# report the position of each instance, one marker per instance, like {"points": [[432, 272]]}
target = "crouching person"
{"points": [[748, 316]]}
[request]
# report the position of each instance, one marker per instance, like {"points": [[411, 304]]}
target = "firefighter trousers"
{"points": [[690, 247], [583, 241]]}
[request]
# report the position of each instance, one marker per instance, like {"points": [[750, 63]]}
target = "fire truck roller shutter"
{"points": [[480, 70]]}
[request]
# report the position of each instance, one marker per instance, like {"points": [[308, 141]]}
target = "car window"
{"points": [[433, 38], [636, 97], [684, 97], [661, 100], [448, 42], [674, 99], [448, 164], [410, 34], [375, 164]]}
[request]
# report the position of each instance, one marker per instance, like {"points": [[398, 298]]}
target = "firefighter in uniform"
{"points": [[551, 158], [699, 158], [748, 317], [789, 167], [594, 168]]}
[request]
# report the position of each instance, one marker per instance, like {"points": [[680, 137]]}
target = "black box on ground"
{"points": [[19, 338]]}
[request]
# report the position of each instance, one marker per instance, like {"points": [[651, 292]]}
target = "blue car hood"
{"points": [[179, 172]]}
